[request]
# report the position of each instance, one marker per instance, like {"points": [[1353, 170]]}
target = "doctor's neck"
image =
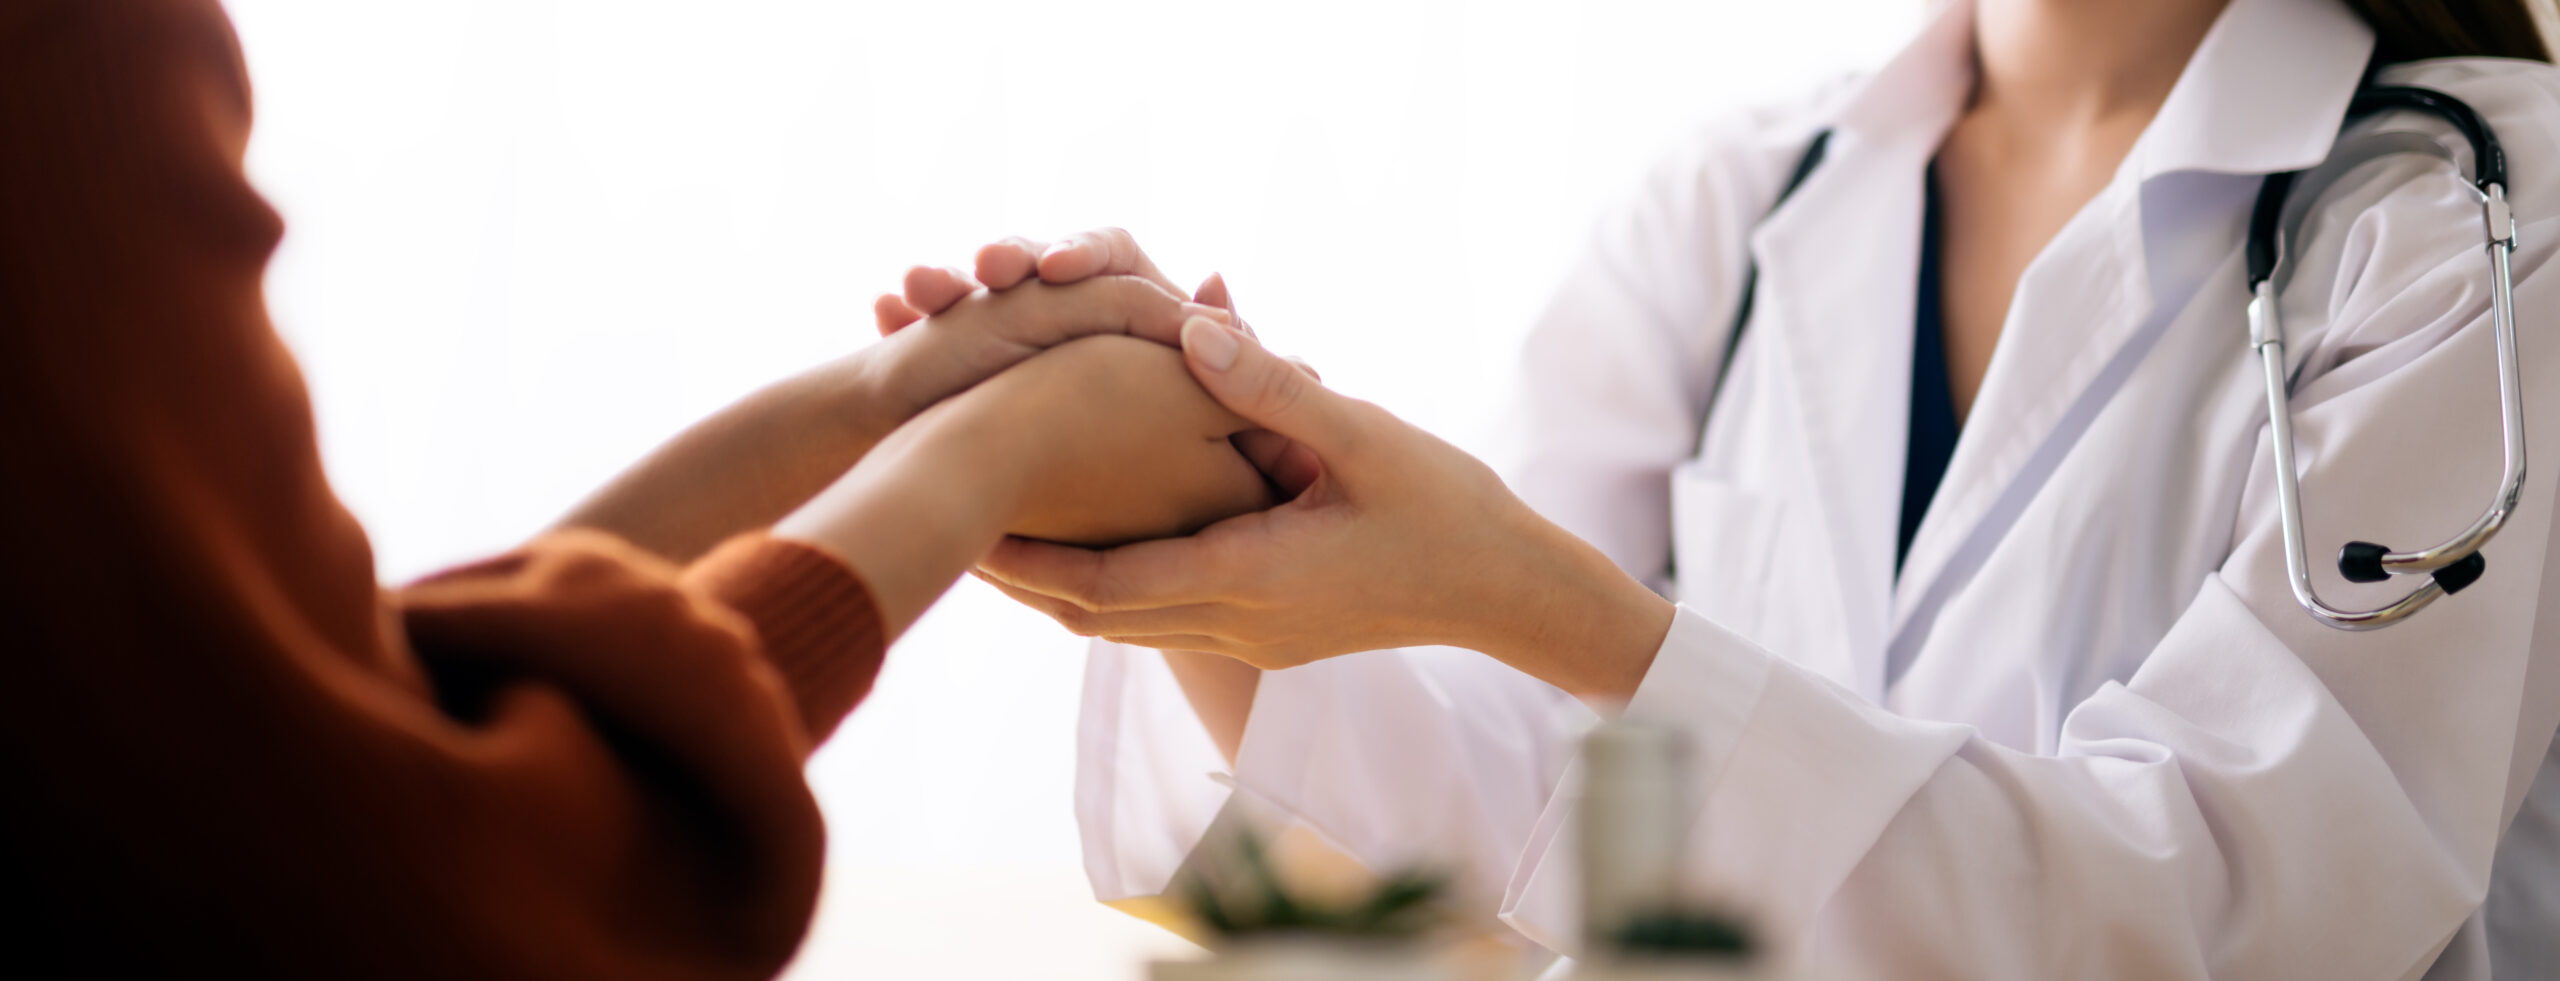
{"points": [[2084, 63]]}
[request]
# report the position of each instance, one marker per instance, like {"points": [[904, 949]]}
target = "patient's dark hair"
{"points": [[2407, 30]]}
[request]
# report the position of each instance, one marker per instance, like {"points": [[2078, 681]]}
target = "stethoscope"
{"points": [[2456, 562], [2448, 566]]}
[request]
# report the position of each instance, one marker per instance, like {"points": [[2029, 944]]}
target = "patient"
{"points": [[230, 750]]}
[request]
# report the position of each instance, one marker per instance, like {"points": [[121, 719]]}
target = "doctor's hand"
{"points": [[1402, 540]]}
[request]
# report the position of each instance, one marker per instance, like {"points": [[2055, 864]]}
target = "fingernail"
{"points": [[1055, 248], [1215, 346], [1190, 309]]}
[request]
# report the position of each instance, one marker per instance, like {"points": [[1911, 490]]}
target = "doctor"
{"points": [[1982, 624]]}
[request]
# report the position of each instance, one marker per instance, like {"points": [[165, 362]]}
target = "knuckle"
{"points": [[1103, 289], [1076, 619], [1233, 563], [1097, 589], [1119, 250], [1366, 420], [1004, 256], [1136, 295], [1280, 392]]}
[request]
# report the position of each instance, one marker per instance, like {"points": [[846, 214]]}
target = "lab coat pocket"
{"points": [[1722, 539]]}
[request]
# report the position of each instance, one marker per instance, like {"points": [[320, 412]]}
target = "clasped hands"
{"points": [[1137, 465], [1374, 533]]}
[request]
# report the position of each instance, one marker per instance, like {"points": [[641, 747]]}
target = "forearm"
{"points": [[1558, 610], [1220, 690], [1563, 614], [747, 465], [1567, 615]]}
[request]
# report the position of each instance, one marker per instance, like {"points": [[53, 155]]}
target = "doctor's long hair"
{"points": [[2407, 30]]}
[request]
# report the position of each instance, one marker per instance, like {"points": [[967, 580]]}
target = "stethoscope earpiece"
{"points": [[2463, 573], [2362, 562]]}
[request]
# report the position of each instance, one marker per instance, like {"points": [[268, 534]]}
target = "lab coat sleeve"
{"points": [[2264, 797], [1445, 757], [1460, 750]]}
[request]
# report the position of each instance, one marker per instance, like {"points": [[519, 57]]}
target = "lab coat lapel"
{"points": [[2264, 92], [1843, 350], [2062, 351], [1839, 263]]}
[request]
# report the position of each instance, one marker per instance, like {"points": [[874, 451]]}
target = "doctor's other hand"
{"points": [[1101, 439], [1402, 540]]}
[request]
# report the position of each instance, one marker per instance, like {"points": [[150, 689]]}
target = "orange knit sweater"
{"points": [[224, 749]]}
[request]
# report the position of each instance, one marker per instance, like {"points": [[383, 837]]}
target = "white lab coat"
{"points": [[2087, 733]]}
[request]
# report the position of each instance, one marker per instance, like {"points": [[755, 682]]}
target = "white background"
{"points": [[530, 238]]}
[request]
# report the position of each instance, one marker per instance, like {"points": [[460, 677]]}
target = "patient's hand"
{"points": [[1125, 444], [1105, 439], [1104, 252]]}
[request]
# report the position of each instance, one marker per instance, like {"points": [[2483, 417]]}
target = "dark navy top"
{"points": [[1933, 401]]}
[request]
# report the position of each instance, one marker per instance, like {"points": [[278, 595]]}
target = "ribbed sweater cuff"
{"points": [[813, 614]]}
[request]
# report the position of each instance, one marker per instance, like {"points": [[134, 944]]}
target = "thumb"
{"points": [[1267, 390]]}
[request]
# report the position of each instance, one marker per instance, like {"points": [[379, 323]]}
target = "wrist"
{"points": [[1564, 613], [923, 506], [873, 395], [973, 445]]}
